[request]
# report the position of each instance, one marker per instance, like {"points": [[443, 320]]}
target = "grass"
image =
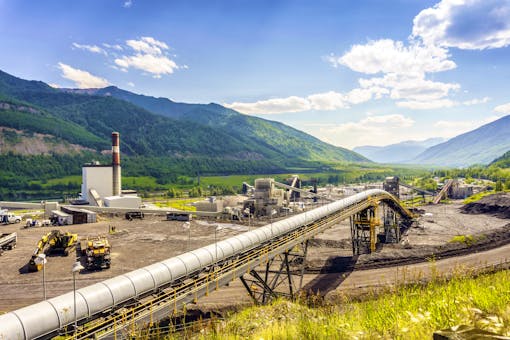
{"points": [[468, 240], [409, 312], [478, 196], [416, 201], [180, 204]]}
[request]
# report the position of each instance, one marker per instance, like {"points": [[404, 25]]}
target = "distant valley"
{"points": [[397, 153], [479, 146]]}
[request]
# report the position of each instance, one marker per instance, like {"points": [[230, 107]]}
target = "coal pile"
{"points": [[497, 205]]}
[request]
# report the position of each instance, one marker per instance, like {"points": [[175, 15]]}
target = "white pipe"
{"points": [[51, 315]]}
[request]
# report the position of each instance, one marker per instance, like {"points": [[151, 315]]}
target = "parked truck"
{"points": [[96, 252], [8, 241], [8, 218]]}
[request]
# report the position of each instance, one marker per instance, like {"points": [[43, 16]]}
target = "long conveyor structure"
{"points": [[116, 307]]}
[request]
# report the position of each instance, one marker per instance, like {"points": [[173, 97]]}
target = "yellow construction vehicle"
{"points": [[97, 253], [53, 243]]}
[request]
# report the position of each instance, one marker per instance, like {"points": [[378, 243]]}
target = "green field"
{"points": [[406, 312]]}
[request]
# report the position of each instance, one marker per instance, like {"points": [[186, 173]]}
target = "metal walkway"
{"points": [[443, 192], [119, 306]]}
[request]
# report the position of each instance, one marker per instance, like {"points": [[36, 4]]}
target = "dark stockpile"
{"points": [[497, 205]]}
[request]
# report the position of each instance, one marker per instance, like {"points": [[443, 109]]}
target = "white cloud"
{"points": [[461, 125], [131, 84], [55, 86], [427, 105], [476, 101], [156, 65], [452, 128], [389, 129], [404, 69], [388, 56], [113, 47], [326, 101], [272, 106], [149, 57], [90, 48], [147, 45], [505, 108], [371, 130], [392, 121], [127, 3], [465, 24], [82, 79], [414, 88]]}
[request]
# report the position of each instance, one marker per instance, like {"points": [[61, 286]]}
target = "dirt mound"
{"points": [[497, 204], [412, 254]]}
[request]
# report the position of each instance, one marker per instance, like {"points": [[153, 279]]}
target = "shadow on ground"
{"points": [[336, 270]]}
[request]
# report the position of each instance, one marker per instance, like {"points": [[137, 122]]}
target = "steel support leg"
{"points": [[277, 279]]}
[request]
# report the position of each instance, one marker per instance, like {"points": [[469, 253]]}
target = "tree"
{"points": [[499, 185], [171, 193]]}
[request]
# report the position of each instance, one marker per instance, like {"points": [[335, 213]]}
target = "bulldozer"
{"points": [[96, 253], [53, 243]]}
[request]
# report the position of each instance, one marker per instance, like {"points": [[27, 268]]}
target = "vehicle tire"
{"points": [[17, 220]]}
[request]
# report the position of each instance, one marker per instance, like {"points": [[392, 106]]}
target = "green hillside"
{"points": [[503, 161], [71, 127], [275, 136], [174, 130]]}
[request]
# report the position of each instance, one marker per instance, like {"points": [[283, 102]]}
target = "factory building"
{"points": [[80, 216], [61, 218], [459, 191], [267, 198], [96, 182], [211, 204], [392, 185], [101, 184]]}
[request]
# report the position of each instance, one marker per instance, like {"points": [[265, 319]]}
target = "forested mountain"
{"points": [[187, 137], [502, 161], [479, 146], [247, 129], [396, 153]]}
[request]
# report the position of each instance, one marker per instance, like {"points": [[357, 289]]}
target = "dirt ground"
{"points": [[139, 243]]}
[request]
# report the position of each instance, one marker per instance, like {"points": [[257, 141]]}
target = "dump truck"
{"points": [[53, 243], [8, 241], [96, 253]]}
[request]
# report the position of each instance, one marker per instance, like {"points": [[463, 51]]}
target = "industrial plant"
{"points": [[102, 184], [262, 238]]}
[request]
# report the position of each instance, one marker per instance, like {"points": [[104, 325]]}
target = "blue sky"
{"points": [[348, 72]]}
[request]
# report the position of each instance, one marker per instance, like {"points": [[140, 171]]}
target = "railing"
{"points": [[171, 299]]}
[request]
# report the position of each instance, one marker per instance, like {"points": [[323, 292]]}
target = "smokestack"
{"points": [[116, 178]]}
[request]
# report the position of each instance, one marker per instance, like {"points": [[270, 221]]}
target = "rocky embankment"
{"points": [[497, 205]]}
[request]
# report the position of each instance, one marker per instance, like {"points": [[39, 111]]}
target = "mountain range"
{"points": [[479, 146], [196, 137], [396, 153], [167, 137]]}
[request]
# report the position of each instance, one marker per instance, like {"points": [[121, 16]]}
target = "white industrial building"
{"points": [[101, 184], [98, 178], [133, 202]]}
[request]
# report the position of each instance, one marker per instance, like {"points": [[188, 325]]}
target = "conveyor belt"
{"points": [[110, 307]]}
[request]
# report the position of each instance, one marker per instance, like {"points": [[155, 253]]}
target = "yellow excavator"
{"points": [[53, 243]]}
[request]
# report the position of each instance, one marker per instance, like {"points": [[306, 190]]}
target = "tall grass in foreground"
{"points": [[409, 312]]}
